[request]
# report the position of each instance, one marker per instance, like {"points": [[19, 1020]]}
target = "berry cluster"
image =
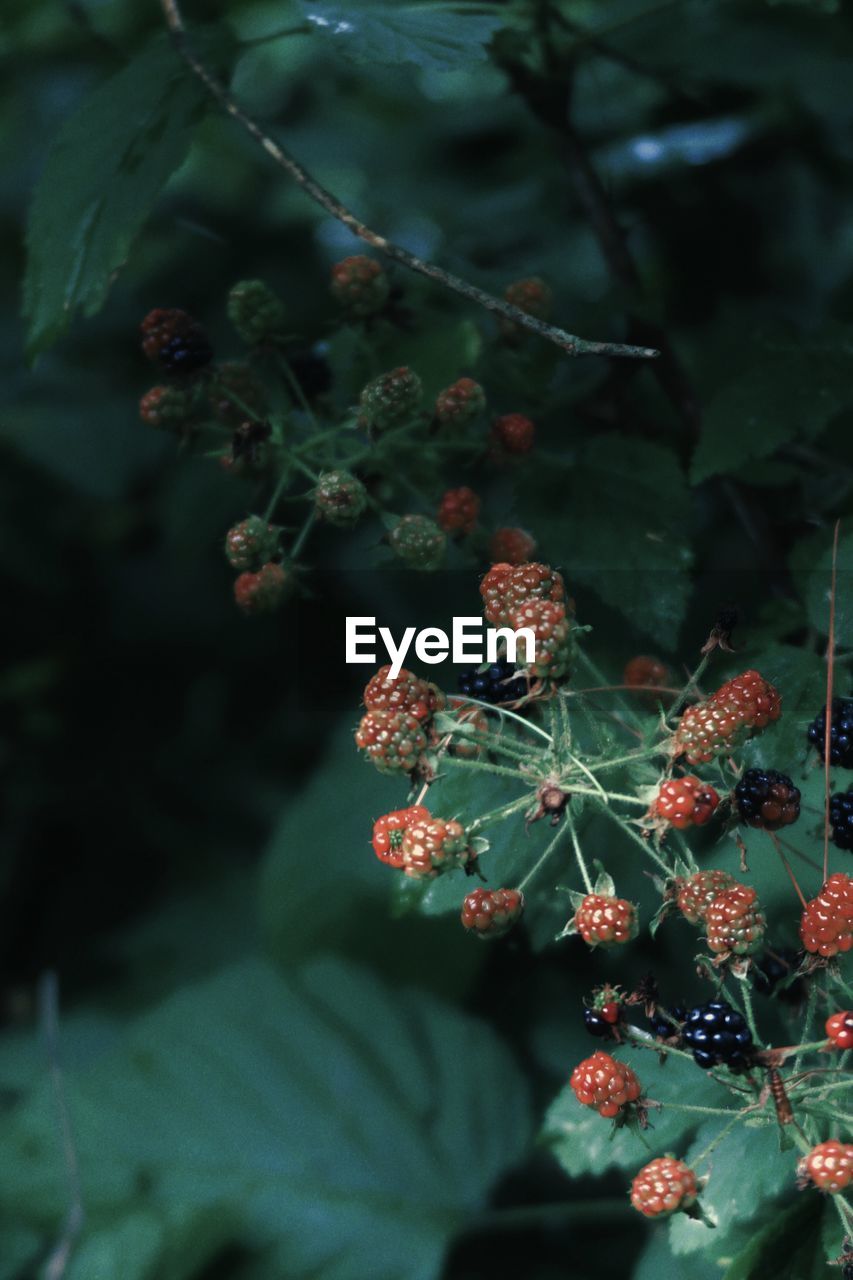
{"points": [[686, 802], [605, 921], [717, 1036], [498, 683], [739, 707], [829, 1166], [766, 798]]}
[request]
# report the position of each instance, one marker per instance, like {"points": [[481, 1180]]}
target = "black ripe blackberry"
{"points": [[841, 819], [172, 339], [595, 1024], [766, 798], [717, 1036], [664, 1028], [840, 733], [770, 973], [495, 684]]}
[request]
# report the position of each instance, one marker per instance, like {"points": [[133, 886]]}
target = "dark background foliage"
{"points": [[179, 788]]}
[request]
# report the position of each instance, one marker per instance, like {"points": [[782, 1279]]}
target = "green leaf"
{"points": [[631, 548], [790, 394], [723, 1200], [811, 563], [584, 1142], [437, 36], [788, 1246], [230, 1093], [103, 174]]}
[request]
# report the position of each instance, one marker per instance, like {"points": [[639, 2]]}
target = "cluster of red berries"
{"points": [[730, 912], [739, 707], [393, 731], [839, 1028], [685, 802], [263, 582], [532, 596]]}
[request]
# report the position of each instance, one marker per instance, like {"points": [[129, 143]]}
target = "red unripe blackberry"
{"points": [[605, 1084], [360, 285], [418, 542], [433, 845], [458, 510], [168, 408], [604, 921], [533, 297], [839, 1028], [734, 922], [250, 541], [644, 670], [462, 402], [829, 1166], [393, 741], [767, 799], [514, 433], [403, 692], [262, 592], [552, 630], [506, 587], [695, 895], [511, 546], [388, 832], [489, 913], [664, 1186], [390, 400], [172, 339], [738, 708], [686, 802], [256, 312], [340, 498], [826, 925]]}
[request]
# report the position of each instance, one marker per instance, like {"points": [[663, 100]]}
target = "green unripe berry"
{"points": [[418, 541], [390, 400], [340, 497], [256, 313]]}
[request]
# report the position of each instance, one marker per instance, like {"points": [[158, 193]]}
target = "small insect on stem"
{"points": [[781, 1101]]}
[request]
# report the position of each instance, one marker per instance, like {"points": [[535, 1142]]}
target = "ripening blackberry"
{"points": [[841, 819], [767, 799], [498, 683], [717, 1036], [840, 733], [664, 1028]]}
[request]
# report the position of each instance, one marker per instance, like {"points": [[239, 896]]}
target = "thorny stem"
{"points": [[691, 685], [544, 858], [724, 1132], [567, 342], [497, 815], [634, 756], [498, 769], [750, 1013], [511, 715], [579, 858]]}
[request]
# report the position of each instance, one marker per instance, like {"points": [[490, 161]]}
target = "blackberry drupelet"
{"points": [[766, 798], [494, 684], [662, 1027], [595, 1024], [717, 1036], [840, 733], [841, 819]]}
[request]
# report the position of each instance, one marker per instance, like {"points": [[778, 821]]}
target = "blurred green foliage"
{"points": [[272, 1068]]}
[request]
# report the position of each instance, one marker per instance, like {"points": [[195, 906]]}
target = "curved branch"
{"points": [[568, 342]]}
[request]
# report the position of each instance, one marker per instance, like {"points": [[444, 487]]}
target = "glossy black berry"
{"points": [[840, 733], [663, 1027], [595, 1024], [494, 685], [841, 819], [186, 352], [766, 798], [770, 973], [717, 1036]]}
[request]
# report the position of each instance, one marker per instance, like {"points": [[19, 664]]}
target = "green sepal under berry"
{"points": [[256, 312]]}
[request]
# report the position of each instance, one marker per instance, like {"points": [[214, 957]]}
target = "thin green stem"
{"points": [[689, 687], [544, 858], [808, 1021], [510, 715], [497, 815], [750, 1013], [645, 845], [724, 1132], [631, 758], [579, 858], [304, 533], [497, 769], [597, 674]]}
